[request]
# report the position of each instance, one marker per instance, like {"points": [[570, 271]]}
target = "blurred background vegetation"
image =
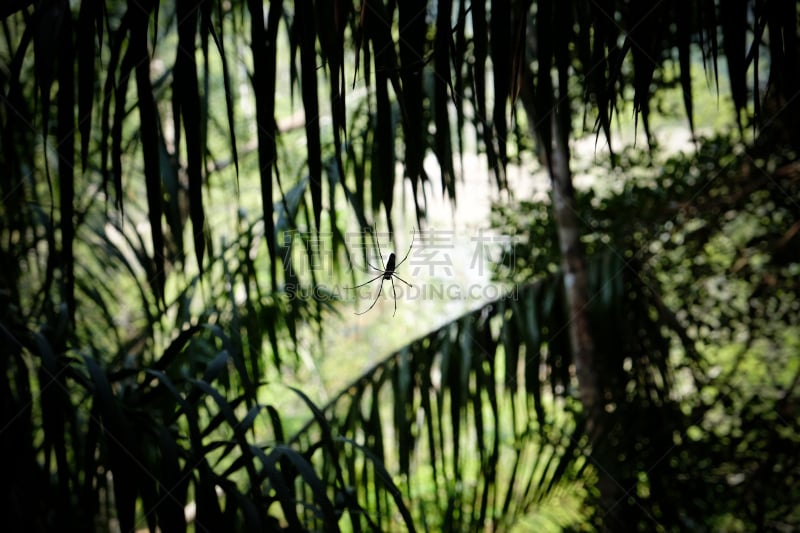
{"points": [[188, 189]]}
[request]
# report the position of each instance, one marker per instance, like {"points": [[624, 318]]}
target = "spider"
{"points": [[389, 271]]}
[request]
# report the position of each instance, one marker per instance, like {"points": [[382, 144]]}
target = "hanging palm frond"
{"points": [[481, 419], [97, 405]]}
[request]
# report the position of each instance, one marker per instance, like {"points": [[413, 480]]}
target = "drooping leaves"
{"points": [[440, 99], [264, 47], [501, 34], [683, 36], [65, 133], [186, 110], [734, 33], [411, 17], [645, 35], [47, 43], [417, 76], [306, 31], [447, 393], [377, 27], [89, 20], [137, 58]]}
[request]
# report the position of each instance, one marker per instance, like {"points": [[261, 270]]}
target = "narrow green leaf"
{"points": [[459, 52], [383, 149], [86, 37], [219, 40], [386, 478], [174, 198], [227, 410], [304, 18], [289, 205], [132, 267], [647, 23], [327, 433], [128, 63], [500, 28], [209, 513], [708, 16], [412, 61], [119, 440], [264, 47], [457, 394], [205, 102], [441, 60], [185, 84], [49, 18], [54, 404], [734, 32], [146, 480], [175, 347], [247, 422], [65, 131], [544, 93], [563, 57], [382, 167], [332, 42], [216, 366], [602, 37], [282, 483], [531, 323], [683, 36], [566, 459], [252, 515], [403, 409], [277, 427], [149, 137], [173, 390], [318, 488], [512, 483], [427, 391], [357, 168], [234, 342]]}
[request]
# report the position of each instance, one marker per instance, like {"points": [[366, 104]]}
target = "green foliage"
{"points": [[131, 378], [146, 411], [481, 423], [712, 236]]}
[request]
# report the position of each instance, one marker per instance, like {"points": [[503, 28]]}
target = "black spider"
{"points": [[389, 271]]}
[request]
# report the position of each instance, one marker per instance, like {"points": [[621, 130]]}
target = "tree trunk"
{"points": [[576, 289], [573, 263]]}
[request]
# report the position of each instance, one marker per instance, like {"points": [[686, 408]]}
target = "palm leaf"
{"points": [[734, 29], [305, 28], [186, 107], [440, 98], [500, 26], [505, 370], [65, 132], [264, 45], [411, 18], [511, 469]]}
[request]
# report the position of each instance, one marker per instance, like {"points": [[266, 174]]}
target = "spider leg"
{"points": [[376, 269], [368, 282], [395, 296], [388, 272], [377, 241], [401, 279], [380, 256], [413, 234], [380, 288]]}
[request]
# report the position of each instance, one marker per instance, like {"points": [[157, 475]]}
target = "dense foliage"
{"points": [[713, 238], [147, 317]]}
